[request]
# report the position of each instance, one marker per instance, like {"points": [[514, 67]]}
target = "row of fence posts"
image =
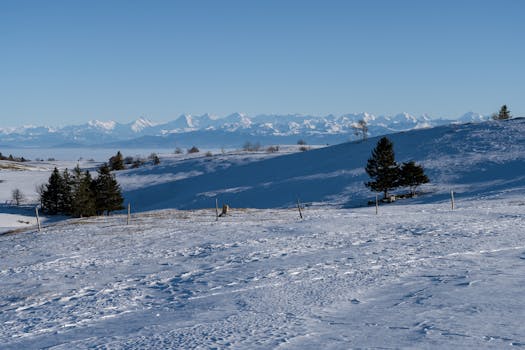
{"points": [[299, 206]]}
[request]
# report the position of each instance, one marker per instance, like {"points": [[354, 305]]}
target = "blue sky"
{"points": [[65, 62]]}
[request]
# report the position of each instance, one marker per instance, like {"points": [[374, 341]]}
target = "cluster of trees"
{"points": [[388, 175], [12, 159], [78, 194], [303, 145], [118, 162], [191, 150], [251, 147]]}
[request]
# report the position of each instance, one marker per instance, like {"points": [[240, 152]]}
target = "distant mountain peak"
{"points": [[471, 117], [141, 124], [107, 125], [221, 131]]}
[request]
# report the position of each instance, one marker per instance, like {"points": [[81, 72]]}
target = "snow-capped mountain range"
{"points": [[211, 130]]}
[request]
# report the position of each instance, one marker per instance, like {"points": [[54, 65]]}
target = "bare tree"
{"points": [[17, 196], [361, 129], [40, 189]]}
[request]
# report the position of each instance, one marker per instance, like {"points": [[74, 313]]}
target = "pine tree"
{"points": [[83, 197], [503, 114], [117, 162], [412, 175], [66, 193], [108, 196], [382, 168], [52, 196]]}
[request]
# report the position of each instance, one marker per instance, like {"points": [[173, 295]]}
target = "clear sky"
{"points": [[64, 62]]}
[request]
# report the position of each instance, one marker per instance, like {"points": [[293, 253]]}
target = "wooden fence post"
{"points": [[299, 208], [38, 220]]}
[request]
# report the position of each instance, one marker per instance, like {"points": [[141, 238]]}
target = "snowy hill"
{"points": [[418, 275], [415, 276], [209, 130], [471, 159]]}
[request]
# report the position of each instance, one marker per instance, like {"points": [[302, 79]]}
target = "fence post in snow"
{"points": [[377, 205], [452, 203], [38, 219], [129, 214], [299, 208], [216, 209]]}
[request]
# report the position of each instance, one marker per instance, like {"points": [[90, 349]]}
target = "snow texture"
{"points": [[417, 275]]}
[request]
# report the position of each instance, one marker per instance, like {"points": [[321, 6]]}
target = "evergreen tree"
{"points": [[66, 193], [382, 168], [117, 162], [83, 197], [412, 175], [108, 196], [503, 114], [52, 197]]}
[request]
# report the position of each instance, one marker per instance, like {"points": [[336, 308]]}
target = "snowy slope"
{"points": [[471, 159], [415, 276], [418, 275]]}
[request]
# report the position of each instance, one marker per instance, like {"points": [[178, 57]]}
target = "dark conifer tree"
{"points": [[66, 193], [52, 196], [83, 197], [117, 162], [108, 196], [382, 168], [503, 114], [412, 176]]}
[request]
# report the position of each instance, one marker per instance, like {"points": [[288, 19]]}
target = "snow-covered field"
{"points": [[416, 276]]}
